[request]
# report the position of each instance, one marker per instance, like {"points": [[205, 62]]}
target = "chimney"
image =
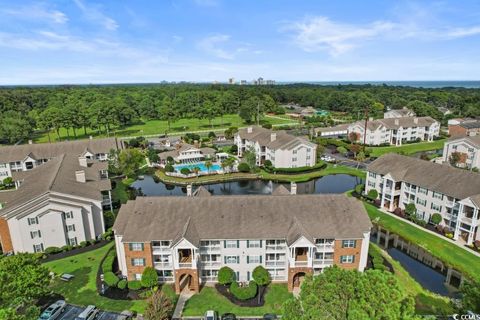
{"points": [[415, 120], [30, 142], [82, 161], [196, 144], [396, 122], [90, 137], [293, 188], [189, 190], [249, 130], [80, 176], [273, 136]]}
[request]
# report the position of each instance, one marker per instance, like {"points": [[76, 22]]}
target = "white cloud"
{"points": [[36, 12], [463, 32], [211, 45], [94, 14]]}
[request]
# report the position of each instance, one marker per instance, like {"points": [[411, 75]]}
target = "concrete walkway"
{"points": [[182, 299], [457, 243]]}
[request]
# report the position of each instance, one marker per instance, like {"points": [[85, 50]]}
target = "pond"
{"points": [[338, 183]]}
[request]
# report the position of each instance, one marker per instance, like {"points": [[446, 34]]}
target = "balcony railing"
{"points": [[165, 279], [325, 246], [163, 265], [278, 277], [210, 249], [160, 250], [275, 247], [185, 265], [300, 263], [323, 262], [209, 278], [211, 263], [275, 263]]}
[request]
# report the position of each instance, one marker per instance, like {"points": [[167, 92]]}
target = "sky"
{"points": [[115, 41]]}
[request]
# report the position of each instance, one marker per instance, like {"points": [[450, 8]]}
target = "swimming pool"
{"points": [[200, 165]]}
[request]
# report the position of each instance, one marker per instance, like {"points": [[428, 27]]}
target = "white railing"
{"points": [[300, 263], [323, 262], [209, 278], [160, 250], [167, 265], [165, 279], [324, 247], [210, 249], [185, 265], [275, 263], [278, 278], [211, 263], [275, 247]]}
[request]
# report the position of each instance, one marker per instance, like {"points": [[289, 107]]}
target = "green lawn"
{"points": [[210, 299], [82, 289], [426, 302], [302, 177], [449, 253], [408, 149], [152, 127]]}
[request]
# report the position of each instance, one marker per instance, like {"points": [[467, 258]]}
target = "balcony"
{"points": [[300, 264], [187, 265], [211, 264], [275, 263], [162, 265], [161, 250], [325, 247], [322, 263], [278, 278], [210, 249], [165, 279], [281, 247]]}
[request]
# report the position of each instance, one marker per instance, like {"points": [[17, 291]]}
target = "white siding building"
{"points": [[282, 149], [396, 131], [193, 237], [399, 113], [468, 149], [433, 188]]}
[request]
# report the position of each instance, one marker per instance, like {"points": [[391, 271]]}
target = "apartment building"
{"points": [[399, 113], [29, 156], [432, 187], [58, 203], [396, 131], [282, 149], [468, 150], [188, 239], [463, 127]]}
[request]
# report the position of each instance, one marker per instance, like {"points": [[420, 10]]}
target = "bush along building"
{"points": [[188, 239], [60, 193], [432, 188]]}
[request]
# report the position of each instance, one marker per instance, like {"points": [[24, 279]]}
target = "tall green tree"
{"points": [[159, 307]]}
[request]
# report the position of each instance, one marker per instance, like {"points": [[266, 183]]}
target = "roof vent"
{"points": [[273, 136], [189, 190], [80, 176], [415, 120], [397, 122], [249, 130], [82, 161], [293, 188]]}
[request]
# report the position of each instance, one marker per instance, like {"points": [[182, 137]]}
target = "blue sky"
{"points": [[85, 41]]}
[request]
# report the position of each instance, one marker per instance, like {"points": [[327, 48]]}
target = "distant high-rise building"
{"points": [[231, 81], [261, 81], [270, 82], [243, 82]]}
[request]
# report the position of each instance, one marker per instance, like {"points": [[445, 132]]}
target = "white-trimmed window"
{"points": [[349, 243], [231, 244], [436, 207], [254, 259], [32, 221], [38, 247], [254, 243], [371, 184], [232, 259], [135, 246], [138, 262], [421, 202], [71, 227], [347, 259], [35, 234], [3, 165], [372, 174], [437, 195], [73, 241], [69, 215], [422, 190]]}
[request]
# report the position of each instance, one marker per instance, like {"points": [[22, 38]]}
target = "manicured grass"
{"points": [[152, 127], [453, 256], [82, 289], [426, 302], [408, 149], [210, 299], [205, 179], [302, 177]]}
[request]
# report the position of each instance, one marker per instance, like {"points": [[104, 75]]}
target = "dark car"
{"points": [[228, 316], [269, 316]]}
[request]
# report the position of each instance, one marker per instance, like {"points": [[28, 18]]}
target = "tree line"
{"points": [[101, 108]]}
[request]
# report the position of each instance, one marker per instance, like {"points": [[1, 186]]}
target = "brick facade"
{"points": [[145, 254], [5, 239], [292, 272], [339, 251], [193, 282], [457, 131]]}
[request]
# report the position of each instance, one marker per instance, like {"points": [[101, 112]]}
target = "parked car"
{"points": [[53, 311], [90, 313], [270, 316], [67, 277], [228, 316], [210, 315], [327, 158]]}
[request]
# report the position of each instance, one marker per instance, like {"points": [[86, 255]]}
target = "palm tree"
{"points": [[224, 165], [196, 170], [208, 165]]}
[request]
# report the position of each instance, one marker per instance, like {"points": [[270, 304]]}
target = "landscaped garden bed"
{"points": [[257, 301]]}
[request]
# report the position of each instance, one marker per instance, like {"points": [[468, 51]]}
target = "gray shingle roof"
{"points": [[51, 150], [391, 123], [474, 140], [441, 178], [243, 217], [281, 190], [283, 140]]}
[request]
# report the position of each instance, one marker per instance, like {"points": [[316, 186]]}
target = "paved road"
{"points": [[73, 311]]}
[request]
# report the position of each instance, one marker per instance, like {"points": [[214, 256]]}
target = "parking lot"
{"points": [[72, 311]]}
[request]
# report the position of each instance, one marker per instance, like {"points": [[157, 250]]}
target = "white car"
{"points": [[53, 311], [327, 158], [210, 315]]}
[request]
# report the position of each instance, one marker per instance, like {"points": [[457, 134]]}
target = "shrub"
{"points": [[449, 235], [107, 265], [267, 126], [92, 242], [359, 188], [436, 218], [110, 279], [134, 285], [372, 194], [226, 275], [185, 171], [170, 160], [169, 168], [83, 244], [149, 277], [234, 149], [122, 284], [108, 233], [243, 167], [268, 164], [51, 250], [244, 293], [261, 276], [66, 248]]}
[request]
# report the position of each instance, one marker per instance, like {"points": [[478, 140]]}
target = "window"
{"points": [[372, 174], [371, 184], [421, 202], [3, 165], [32, 221], [138, 276], [136, 262], [254, 259], [72, 241], [38, 247], [437, 195], [68, 215], [349, 243], [35, 234], [71, 227], [231, 244], [294, 159], [422, 190], [347, 259], [254, 243], [436, 207], [294, 151], [232, 259], [135, 246]]}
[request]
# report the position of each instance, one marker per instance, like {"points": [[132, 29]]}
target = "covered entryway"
{"points": [[298, 279], [186, 280]]}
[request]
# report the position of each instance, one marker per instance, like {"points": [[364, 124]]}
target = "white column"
{"points": [[456, 234]]}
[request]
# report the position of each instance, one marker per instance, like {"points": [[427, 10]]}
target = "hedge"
{"points": [[122, 284], [110, 279], [318, 166], [134, 285], [51, 250], [243, 167], [107, 265], [244, 293], [226, 275]]}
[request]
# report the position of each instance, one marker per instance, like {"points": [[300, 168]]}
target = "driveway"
{"points": [[73, 311]]}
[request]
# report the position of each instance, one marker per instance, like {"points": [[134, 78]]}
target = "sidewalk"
{"points": [[182, 299], [458, 244]]}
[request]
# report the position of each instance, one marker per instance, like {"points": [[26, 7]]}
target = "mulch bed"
{"points": [[258, 301]]}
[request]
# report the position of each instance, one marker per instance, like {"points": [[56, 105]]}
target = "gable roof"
{"points": [[437, 177], [51, 150], [281, 190], [201, 192], [404, 112], [242, 217], [282, 140], [473, 140], [396, 123]]}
